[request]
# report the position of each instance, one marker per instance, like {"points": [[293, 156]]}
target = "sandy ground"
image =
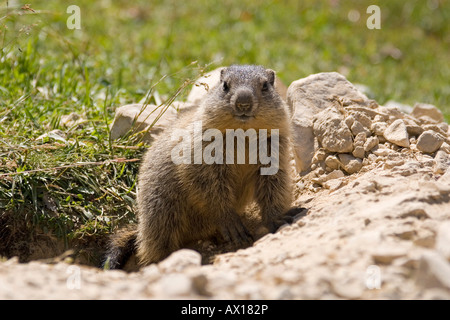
{"points": [[383, 233]]}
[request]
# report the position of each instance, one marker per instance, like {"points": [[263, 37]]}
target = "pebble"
{"points": [[414, 130], [357, 127], [350, 164], [442, 162], [332, 162], [397, 133], [358, 152], [370, 143], [427, 110], [378, 128], [429, 141]]}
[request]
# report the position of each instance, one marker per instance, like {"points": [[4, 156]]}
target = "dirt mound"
{"points": [[376, 182]]}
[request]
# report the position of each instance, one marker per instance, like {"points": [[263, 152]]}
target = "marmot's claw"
{"points": [[236, 233]]}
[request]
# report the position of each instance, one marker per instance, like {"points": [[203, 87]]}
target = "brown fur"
{"points": [[180, 204]]}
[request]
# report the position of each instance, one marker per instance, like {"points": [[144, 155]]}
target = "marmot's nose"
{"points": [[244, 101]]}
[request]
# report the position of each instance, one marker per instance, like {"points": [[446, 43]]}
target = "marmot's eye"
{"points": [[225, 86], [265, 86]]}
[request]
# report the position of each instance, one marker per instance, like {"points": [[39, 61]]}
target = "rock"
{"points": [[383, 152], [429, 142], [332, 162], [359, 140], [309, 96], [303, 143], [363, 119], [312, 94], [393, 163], [176, 284], [427, 110], [139, 117], [443, 240], [378, 128], [445, 147], [180, 260], [332, 132], [433, 271], [392, 112], [358, 152], [426, 241], [414, 130], [444, 127], [333, 175], [435, 128], [320, 155], [357, 127], [350, 164], [371, 143], [399, 106], [349, 121], [442, 162], [336, 174], [397, 133], [203, 85]]}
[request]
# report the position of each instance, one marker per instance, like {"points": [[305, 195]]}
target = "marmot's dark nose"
{"points": [[244, 101]]}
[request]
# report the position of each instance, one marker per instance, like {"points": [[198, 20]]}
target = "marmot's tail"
{"points": [[120, 248]]}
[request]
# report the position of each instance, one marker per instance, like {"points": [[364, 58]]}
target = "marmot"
{"points": [[182, 201]]}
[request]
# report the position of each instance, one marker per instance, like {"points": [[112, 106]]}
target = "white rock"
{"points": [[203, 85], [180, 260], [139, 117], [400, 106], [176, 284], [309, 96], [303, 143], [363, 119], [397, 133], [427, 110], [378, 128], [360, 139], [350, 164], [332, 132], [332, 162], [371, 143]]}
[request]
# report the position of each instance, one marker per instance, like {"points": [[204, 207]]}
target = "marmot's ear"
{"points": [[271, 76], [222, 72]]}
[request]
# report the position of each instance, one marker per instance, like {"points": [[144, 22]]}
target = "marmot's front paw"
{"points": [[234, 231]]}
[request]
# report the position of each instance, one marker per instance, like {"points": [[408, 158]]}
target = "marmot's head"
{"points": [[245, 95]]}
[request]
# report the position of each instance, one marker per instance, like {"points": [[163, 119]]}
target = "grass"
{"points": [[80, 187]]}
